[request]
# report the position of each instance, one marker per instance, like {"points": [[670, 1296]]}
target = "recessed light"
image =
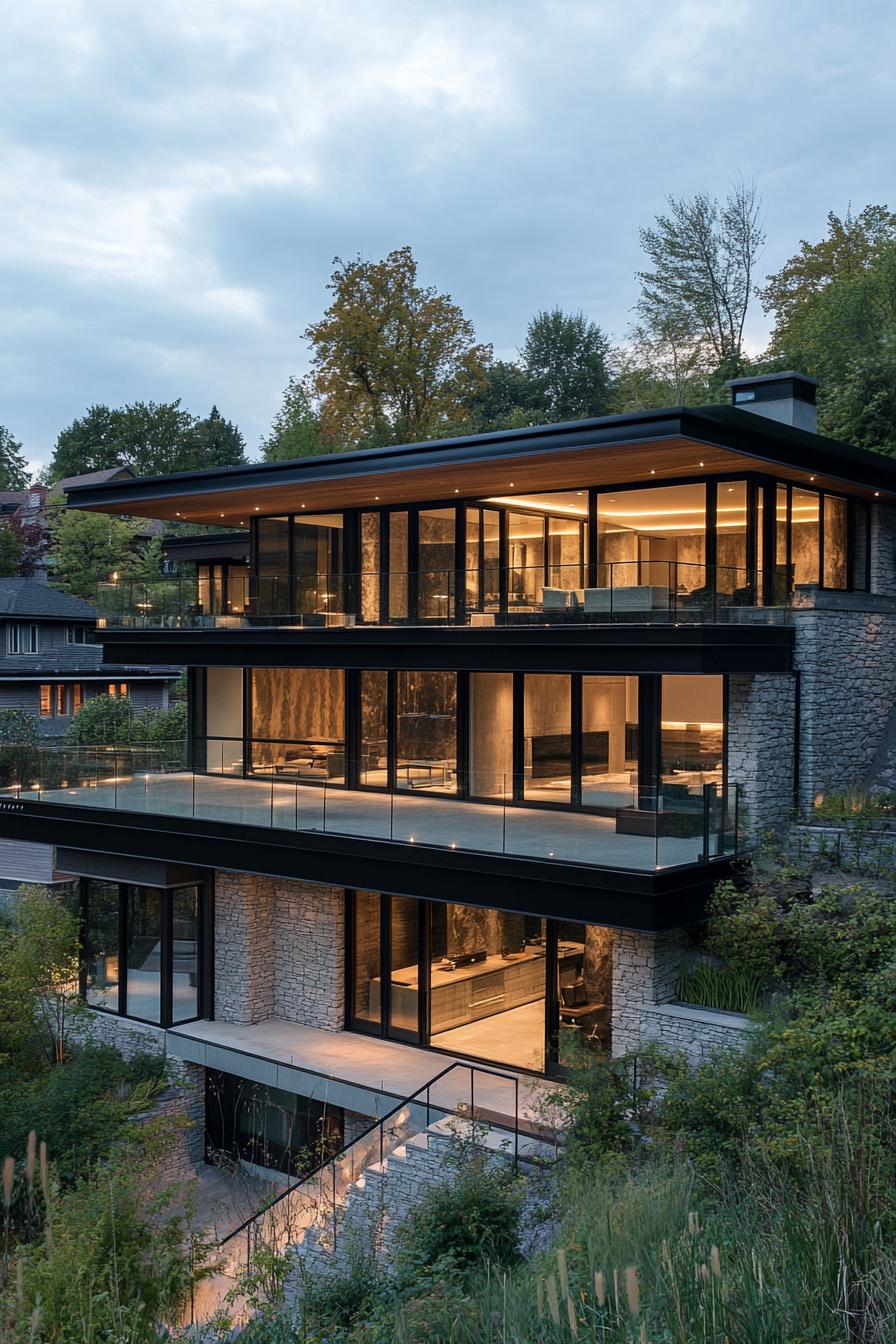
{"points": [[256, 508], [457, 492], [652, 472], [877, 494], [701, 464], [222, 515], [511, 482], [580, 492], [376, 496], [811, 478]]}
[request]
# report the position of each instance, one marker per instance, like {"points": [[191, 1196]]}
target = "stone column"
{"points": [[309, 986], [761, 749], [245, 947], [645, 972]]}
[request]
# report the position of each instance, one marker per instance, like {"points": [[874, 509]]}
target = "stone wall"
{"points": [[883, 549], [846, 658], [279, 951], [761, 749], [129, 1038], [696, 1032], [645, 972]]}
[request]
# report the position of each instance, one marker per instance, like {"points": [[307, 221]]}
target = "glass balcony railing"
{"points": [[623, 592], [624, 827]]}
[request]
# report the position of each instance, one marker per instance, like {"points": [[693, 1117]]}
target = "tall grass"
{"points": [[732, 991]]}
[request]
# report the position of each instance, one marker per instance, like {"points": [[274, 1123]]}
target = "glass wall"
{"points": [[144, 953], [298, 722], [317, 564], [547, 740], [487, 985], [398, 566], [609, 747], [185, 954], [733, 576], [370, 567], [364, 990], [426, 727], [101, 946], [805, 515], [273, 587], [156, 974], [491, 735], [525, 561], [435, 564], [653, 538], [492, 985], [374, 754], [835, 569], [692, 736]]}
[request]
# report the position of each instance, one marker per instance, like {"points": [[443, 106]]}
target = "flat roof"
{"points": [[643, 446]]}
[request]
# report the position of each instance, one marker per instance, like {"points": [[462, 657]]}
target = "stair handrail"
{"points": [[380, 1124]]}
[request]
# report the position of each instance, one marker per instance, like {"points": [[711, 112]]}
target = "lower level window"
{"points": [[143, 954], [118, 690], [268, 1127]]}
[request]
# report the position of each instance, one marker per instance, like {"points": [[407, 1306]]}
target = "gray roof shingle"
{"points": [[29, 597]]}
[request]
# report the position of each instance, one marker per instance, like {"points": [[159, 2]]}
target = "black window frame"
{"points": [[204, 950]]}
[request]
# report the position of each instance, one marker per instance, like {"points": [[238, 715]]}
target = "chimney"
{"points": [[786, 397]]}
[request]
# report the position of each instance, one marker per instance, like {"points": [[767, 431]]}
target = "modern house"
{"points": [[50, 665], [495, 716]]}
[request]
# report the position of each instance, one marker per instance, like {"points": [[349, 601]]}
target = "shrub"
{"points": [[19, 740], [470, 1219]]}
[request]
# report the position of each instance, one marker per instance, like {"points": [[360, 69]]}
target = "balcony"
{"points": [[685, 822], [657, 593]]}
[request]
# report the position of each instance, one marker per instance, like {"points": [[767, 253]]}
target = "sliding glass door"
{"points": [[385, 944]]}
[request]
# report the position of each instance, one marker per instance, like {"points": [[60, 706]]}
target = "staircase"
{"points": [[360, 1195]]}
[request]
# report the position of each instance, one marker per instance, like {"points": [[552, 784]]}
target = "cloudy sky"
{"points": [[178, 175]]}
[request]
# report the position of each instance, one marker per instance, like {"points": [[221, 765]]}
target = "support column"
{"points": [[645, 972], [245, 947], [762, 750]]}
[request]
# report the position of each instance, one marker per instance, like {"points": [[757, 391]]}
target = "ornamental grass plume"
{"points": [[9, 1173], [633, 1291], [30, 1151], [600, 1288]]}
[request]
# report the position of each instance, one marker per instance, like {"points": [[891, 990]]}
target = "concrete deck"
{"points": [[570, 837], [345, 1068]]}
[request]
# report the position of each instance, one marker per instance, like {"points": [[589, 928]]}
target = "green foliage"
{"points": [[110, 721], [471, 1219], [152, 438], [14, 472], [565, 359], [295, 431], [81, 1108], [719, 987], [392, 361], [87, 548], [112, 1268], [10, 552], [38, 980], [834, 306], [696, 293], [848, 804], [19, 739]]}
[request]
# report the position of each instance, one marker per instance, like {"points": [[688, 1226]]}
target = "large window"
{"points": [[547, 744], [652, 539], [273, 595], [435, 574], [487, 985], [298, 723], [692, 735], [609, 750], [143, 953], [426, 728], [22, 639], [493, 985], [805, 515], [374, 755], [491, 735], [317, 565]]}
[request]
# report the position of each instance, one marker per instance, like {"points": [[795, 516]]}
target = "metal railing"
{"points": [[317, 1199], [622, 592], [615, 824]]}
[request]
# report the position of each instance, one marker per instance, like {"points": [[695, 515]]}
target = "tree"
{"points": [[851, 246], [702, 257], [10, 552], [31, 539], [154, 439], [834, 306], [566, 359], [90, 443], [87, 549], [39, 971], [392, 362], [14, 472], [214, 442], [295, 431]]}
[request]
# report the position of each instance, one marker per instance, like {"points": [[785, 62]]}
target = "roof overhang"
{"points": [[656, 446]]}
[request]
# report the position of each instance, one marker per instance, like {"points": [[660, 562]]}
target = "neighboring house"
{"points": [[502, 711], [50, 665], [221, 566]]}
